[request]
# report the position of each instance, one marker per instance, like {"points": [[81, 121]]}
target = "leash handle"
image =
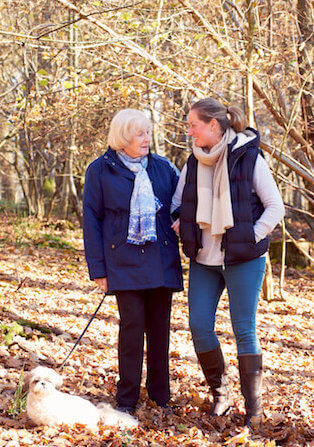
{"points": [[82, 334]]}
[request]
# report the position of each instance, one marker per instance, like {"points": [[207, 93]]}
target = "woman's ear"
{"points": [[215, 127]]}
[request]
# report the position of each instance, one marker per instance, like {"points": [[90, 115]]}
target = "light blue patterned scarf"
{"points": [[143, 205]]}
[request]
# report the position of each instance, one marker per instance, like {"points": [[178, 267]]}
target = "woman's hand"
{"points": [[176, 226], [102, 283]]}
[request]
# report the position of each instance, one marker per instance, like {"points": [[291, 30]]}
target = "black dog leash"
{"points": [[82, 334]]}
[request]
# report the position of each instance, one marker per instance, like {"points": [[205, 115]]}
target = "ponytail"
{"points": [[209, 108], [238, 119]]}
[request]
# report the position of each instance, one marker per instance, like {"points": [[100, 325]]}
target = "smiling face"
{"points": [[204, 134], [139, 145]]}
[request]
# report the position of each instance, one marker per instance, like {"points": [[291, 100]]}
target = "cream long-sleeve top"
{"points": [[265, 187]]}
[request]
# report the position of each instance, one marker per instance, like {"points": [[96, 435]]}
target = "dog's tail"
{"points": [[109, 416]]}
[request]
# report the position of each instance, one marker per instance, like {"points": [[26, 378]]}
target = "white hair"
{"points": [[124, 126]]}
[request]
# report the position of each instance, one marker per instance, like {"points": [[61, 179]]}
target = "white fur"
{"points": [[48, 406], [110, 416]]}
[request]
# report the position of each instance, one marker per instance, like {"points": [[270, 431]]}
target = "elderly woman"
{"points": [[132, 252]]}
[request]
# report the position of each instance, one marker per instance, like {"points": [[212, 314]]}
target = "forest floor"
{"points": [[43, 279]]}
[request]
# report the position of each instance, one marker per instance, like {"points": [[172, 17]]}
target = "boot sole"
{"points": [[225, 413]]}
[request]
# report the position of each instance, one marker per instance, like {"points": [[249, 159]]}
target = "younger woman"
{"points": [[229, 203]]}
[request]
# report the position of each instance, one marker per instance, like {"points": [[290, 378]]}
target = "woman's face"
{"points": [[204, 134], [139, 145]]}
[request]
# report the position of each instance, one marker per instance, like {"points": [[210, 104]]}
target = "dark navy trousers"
{"points": [[144, 312]]}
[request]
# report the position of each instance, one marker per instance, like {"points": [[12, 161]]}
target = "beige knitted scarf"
{"points": [[214, 207]]}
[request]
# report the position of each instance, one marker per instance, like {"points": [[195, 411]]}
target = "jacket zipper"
{"points": [[222, 247]]}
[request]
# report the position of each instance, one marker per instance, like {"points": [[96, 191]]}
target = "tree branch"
{"points": [[84, 16], [294, 165], [228, 51], [135, 48]]}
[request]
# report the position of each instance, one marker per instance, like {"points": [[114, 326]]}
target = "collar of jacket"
{"points": [[246, 138], [111, 158], [235, 152]]}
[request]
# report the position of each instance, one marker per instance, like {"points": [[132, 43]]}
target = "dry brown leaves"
{"points": [[50, 286]]}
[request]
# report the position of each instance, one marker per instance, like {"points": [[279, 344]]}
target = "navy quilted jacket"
{"points": [[106, 206]]}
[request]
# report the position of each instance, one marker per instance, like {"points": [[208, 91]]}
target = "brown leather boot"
{"points": [[213, 366], [251, 370]]}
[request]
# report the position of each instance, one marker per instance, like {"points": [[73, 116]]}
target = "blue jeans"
{"points": [[206, 284]]}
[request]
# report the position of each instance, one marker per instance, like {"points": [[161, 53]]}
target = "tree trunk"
{"points": [[7, 190], [69, 184], [268, 286], [72, 188], [249, 58], [305, 61]]}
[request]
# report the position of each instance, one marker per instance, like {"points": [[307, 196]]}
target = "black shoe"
{"points": [[166, 409], [129, 410]]}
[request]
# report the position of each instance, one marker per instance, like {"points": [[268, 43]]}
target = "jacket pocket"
{"points": [[124, 254], [115, 230]]}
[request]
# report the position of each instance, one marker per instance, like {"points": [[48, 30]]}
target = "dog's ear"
{"points": [[27, 375]]}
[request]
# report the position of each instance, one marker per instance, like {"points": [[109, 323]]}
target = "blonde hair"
{"points": [[209, 108], [124, 126]]}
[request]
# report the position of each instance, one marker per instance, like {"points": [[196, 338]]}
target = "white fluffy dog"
{"points": [[48, 406]]}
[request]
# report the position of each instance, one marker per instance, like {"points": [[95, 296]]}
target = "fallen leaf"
{"points": [[241, 438]]}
